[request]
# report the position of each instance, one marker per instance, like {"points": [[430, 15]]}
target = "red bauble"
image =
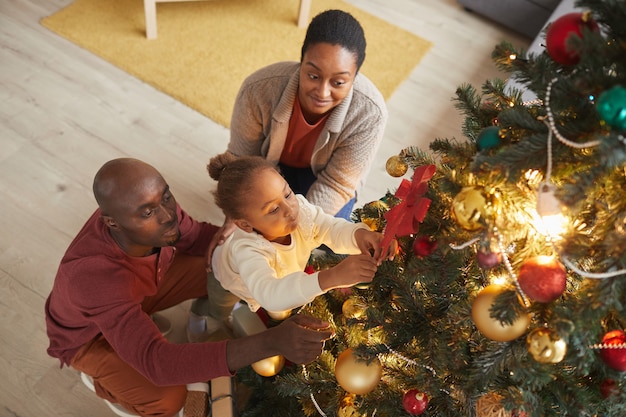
{"points": [[424, 246], [542, 278], [487, 260], [415, 402], [608, 388], [570, 24], [615, 358]]}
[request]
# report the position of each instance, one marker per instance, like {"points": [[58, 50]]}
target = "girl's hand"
{"points": [[352, 270], [369, 243]]}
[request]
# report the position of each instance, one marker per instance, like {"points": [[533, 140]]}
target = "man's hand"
{"points": [[219, 238], [300, 338]]}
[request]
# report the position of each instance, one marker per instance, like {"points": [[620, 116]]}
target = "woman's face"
{"points": [[271, 209], [326, 76]]}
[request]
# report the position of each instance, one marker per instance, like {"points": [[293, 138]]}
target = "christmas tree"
{"points": [[508, 294]]}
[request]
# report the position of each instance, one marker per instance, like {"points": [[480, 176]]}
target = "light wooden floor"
{"points": [[64, 112]]}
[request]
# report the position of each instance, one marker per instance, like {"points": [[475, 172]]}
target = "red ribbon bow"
{"points": [[404, 218]]}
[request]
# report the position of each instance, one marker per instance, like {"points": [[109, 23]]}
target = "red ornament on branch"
{"points": [[542, 278], [424, 246], [615, 357], [609, 388], [559, 32], [404, 218], [415, 402]]}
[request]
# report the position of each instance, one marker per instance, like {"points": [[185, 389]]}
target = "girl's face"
{"points": [[271, 209], [326, 76]]}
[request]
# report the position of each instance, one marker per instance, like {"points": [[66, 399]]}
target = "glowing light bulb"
{"points": [[551, 212], [498, 280], [547, 203]]}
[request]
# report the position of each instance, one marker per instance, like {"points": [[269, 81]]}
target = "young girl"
{"points": [[262, 262]]}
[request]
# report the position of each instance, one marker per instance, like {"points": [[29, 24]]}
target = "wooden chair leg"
{"points": [[149, 7], [303, 13]]}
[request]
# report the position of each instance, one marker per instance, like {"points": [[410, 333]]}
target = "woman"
{"points": [[319, 120]]}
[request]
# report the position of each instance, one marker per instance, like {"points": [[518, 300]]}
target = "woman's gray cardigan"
{"points": [[346, 146]]}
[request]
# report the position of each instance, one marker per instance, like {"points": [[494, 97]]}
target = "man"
{"points": [[140, 253]]}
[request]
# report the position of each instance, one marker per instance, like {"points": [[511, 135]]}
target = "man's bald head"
{"points": [[118, 177], [137, 206]]}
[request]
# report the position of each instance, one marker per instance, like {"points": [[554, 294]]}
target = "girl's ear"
{"points": [[244, 225]]}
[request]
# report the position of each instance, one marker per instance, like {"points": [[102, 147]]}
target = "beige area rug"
{"points": [[205, 49]]}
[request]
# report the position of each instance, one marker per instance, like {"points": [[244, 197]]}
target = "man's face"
{"points": [[143, 215]]}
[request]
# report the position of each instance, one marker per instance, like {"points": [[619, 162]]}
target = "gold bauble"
{"points": [[491, 327], [378, 205], [372, 223], [353, 309], [269, 366], [372, 214], [473, 206], [279, 315], [357, 376], [395, 166], [545, 345]]}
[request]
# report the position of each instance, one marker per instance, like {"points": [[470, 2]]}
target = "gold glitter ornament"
{"points": [[373, 224], [545, 345], [473, 207], [357, 376], [353, 309], [372, 214], [395, 166]]}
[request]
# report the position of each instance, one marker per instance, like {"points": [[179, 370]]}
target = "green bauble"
{"points": [[489, 138], [612, 107]]}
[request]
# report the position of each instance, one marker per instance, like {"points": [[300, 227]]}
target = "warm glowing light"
{"points": [[513, 57], [553, 226], [498, 280], [553, 223], [547, 203], [533, 176]]}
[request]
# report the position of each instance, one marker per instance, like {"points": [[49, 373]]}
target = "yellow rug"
{"points": [[205, 49]]}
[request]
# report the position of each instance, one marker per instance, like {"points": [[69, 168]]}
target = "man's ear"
{"points": [[109, 222], [243, 225]]}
